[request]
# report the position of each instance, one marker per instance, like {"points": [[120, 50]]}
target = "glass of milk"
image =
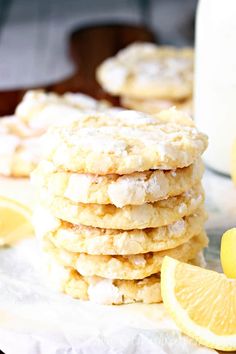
{"points": [[215, 79]]}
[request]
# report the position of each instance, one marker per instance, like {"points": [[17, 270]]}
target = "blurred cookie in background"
{"points": [[150, 78], [20, 135]]}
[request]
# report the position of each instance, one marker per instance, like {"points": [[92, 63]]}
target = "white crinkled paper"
{"points": [[36, 320]]}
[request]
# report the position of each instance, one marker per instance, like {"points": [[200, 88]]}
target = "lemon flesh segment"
{"points": [[201, 302], [15, 221], [228, 253]]}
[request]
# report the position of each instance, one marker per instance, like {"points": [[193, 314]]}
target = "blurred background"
{"points": [[56, 44]]}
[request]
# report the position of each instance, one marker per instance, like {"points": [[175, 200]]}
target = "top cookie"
{"points": [[125, 148], [146, 70]]}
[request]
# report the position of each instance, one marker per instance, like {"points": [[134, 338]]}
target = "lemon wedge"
{"points": [[15, 221], [201, 302], [228, 253]]}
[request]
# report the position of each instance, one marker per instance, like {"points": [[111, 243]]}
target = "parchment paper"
{"points": [[36, 320]]}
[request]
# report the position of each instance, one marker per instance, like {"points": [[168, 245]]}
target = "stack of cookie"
{"points": [[150, 78], [117, 194]]}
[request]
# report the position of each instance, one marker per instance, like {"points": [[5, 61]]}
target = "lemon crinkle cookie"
{"points": [[125, 267], [125, 149], [129, 217], [146, 70], [85, 239], [101, 290], [133, 189], [107, 291]]}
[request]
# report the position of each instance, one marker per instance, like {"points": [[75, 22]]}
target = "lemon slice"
{"points": [[202, 303], [15, 221], [228, 253]]}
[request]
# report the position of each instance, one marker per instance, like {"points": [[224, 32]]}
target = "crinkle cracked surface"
{"points": [[133, 189], [123, 148], [85, 239], [125, 267], [102, 290], [107, 291], [155, 105], [147, 70], [129, 217]]}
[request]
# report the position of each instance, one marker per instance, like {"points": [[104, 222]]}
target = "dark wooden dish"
{"points": [[88, 47]]}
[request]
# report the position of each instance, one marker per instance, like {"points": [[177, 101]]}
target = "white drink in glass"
{"points": [[215, 79]]}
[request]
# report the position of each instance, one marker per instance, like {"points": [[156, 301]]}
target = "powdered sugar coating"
{"points": [[124, 148], [104, 292]]}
